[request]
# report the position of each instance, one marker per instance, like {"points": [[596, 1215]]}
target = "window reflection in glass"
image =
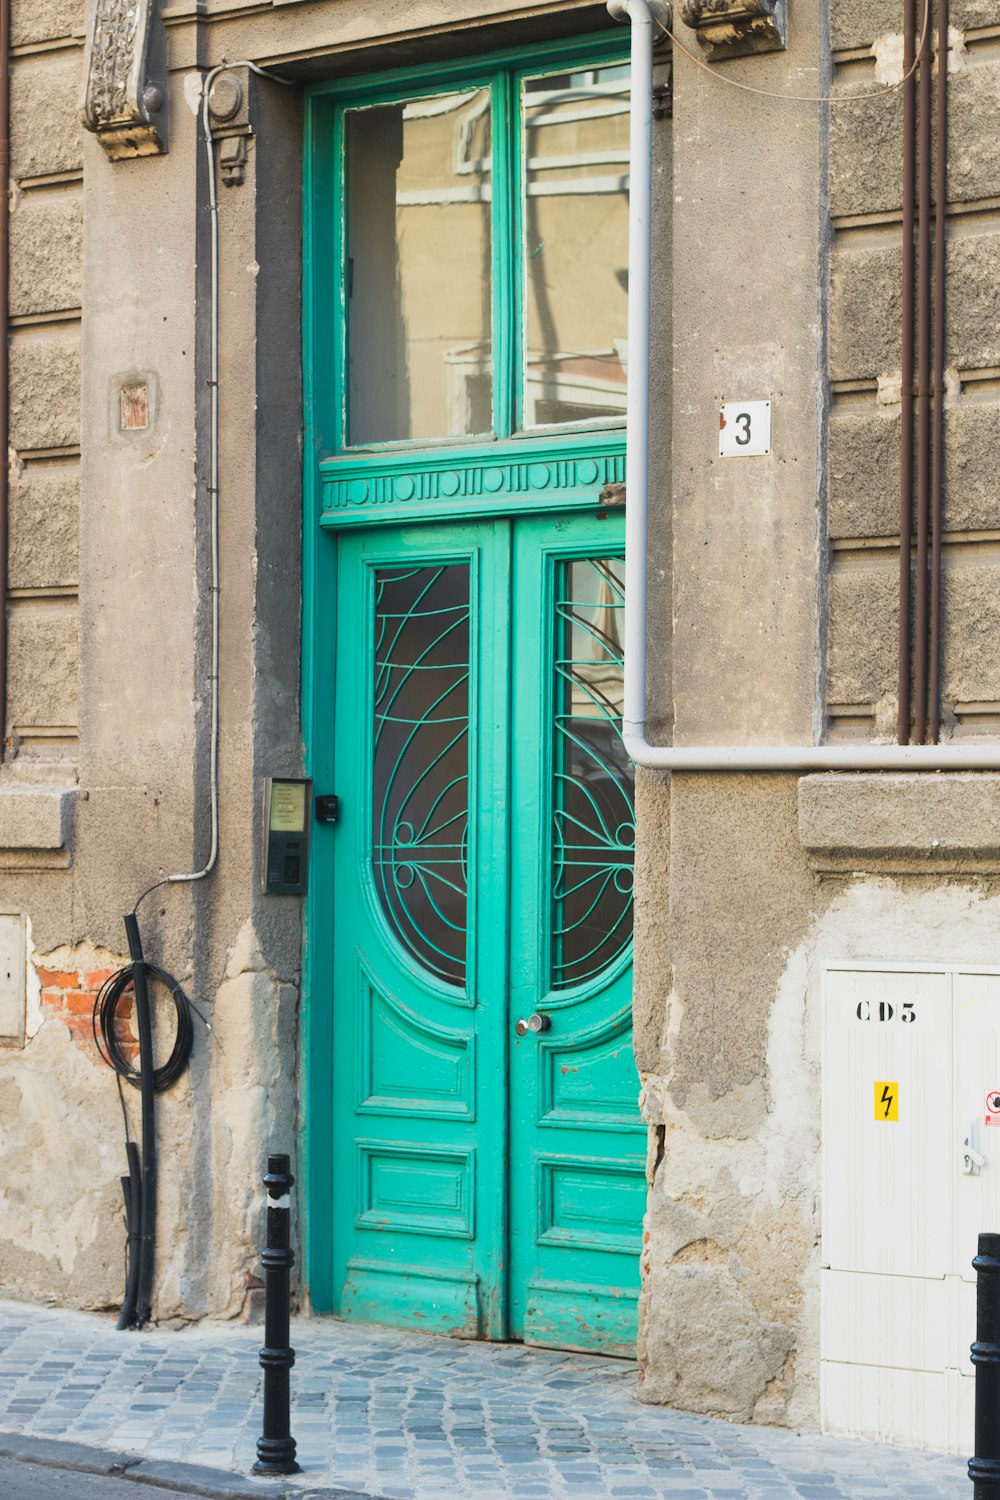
{"points": [[576, 135], [418, 272]]}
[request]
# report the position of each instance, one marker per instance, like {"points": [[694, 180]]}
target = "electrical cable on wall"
{"points": [[139, 1187]]}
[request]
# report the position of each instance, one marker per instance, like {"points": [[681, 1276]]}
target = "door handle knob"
{"points": [[536, 1023]]}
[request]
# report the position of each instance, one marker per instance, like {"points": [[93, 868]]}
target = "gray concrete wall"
{"points": [[730, 1229], [776, 601]]}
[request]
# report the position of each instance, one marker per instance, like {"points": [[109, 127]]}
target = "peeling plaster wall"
{"points": [[254, 1093], [732, 1221], [731, 1316], [61, 1223]]}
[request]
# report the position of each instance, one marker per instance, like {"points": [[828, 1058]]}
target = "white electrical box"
{"points": [[911, 1175], [12, 977]]}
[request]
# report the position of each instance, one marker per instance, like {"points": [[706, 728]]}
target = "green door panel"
{"points": [[418, 977], [577, 1192], [483, 1183]]}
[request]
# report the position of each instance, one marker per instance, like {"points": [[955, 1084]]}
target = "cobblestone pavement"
{"points": [[413, 1417]]}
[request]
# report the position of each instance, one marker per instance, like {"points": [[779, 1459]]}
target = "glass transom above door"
{"points": [[482, 240]]}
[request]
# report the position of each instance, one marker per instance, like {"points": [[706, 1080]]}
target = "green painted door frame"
{"points": [[536, 1171]]}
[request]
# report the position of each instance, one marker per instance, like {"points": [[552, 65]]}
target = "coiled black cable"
{"points": [[139, 1187], [108, 1045]]}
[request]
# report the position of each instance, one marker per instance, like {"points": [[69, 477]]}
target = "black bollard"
{"points": [[984, 1469], [276, 1446]]}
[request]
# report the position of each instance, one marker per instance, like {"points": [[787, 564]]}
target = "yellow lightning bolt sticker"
{"points": [[886, 1100]]}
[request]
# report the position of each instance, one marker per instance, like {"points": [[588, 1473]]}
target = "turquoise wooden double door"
{"points": [[487, 1171]]}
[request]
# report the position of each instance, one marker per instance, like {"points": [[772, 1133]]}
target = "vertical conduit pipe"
{"points": [[940, 280], [4, 352], [147, 1204], [921, 621], [640, 14], [906, 391]]}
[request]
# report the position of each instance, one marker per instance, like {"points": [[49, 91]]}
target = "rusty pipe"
{"points": [[921, 614], [4, 352], [937, 423], [906, 358]]}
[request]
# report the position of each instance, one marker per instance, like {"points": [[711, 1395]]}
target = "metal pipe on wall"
{"points": [[205, 109], [924, 323], [704, 758], [937, 424], [4, 352], [640, 15], [906, 360]]}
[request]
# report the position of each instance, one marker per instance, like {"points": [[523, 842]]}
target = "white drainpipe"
{"points": [[869, 757]]}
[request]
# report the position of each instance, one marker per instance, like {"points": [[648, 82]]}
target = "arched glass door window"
{"points": [[484, 245]]}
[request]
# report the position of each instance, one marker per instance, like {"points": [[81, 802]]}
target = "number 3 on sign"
{"points": [[745, 429]]}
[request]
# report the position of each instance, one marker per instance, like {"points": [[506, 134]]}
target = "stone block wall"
{"points": [[865, 315], [63, 1233], [46, 233]]}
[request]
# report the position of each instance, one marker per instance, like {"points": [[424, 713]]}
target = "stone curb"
{"points": [[188, 1479]]}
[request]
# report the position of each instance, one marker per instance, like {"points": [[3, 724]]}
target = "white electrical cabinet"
{"points": [[911, 1175], [12, 962]]}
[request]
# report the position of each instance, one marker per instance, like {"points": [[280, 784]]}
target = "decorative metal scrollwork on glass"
{"points": [[594, 779], [420, 803]]}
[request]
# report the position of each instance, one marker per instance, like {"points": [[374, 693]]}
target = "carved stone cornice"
{"points": [[737, 28], [120, 99]]}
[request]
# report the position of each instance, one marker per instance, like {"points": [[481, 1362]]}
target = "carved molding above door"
{"points": [[122, 104], [542, 475], [737, 28]]}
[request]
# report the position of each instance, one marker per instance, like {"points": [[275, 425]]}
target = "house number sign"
{"points": [[745, 429]]}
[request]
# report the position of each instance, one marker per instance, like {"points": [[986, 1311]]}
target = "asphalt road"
{"points": [[23, 1481], [45, 1469]]}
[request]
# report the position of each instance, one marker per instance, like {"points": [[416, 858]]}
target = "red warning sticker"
{"points": [[992, 1116]]}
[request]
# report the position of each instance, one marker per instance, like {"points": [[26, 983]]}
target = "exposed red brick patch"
{"points": [[98, 977], [58, 979], [79, 1002], [68, 996]]}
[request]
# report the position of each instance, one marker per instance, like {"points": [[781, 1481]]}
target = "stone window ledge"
{"points": [[36, 827], [888, 821]]}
